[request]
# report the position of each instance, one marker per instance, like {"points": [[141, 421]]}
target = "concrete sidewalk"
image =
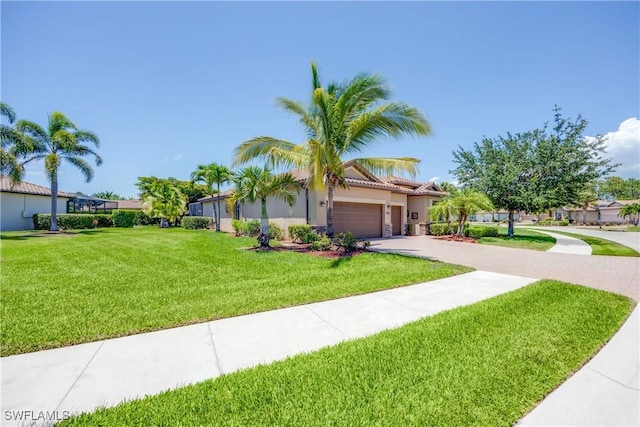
{"points": [[104, 373], [567, 245]]}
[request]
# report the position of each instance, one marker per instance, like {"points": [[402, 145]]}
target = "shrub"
{"points": [[302, 233], [441, 229], [553, 222], [196, 222], [346, 241], [322, 243], [238, 227], [144, 219], [479, 232], [275, 231], [123, 218], [252, 228], [72, 221], [104, 220]]}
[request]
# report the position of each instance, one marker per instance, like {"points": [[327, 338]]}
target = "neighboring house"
{"points": [[495, 216], [134, 204], [18, 203], [370, 207], [601, 212]]}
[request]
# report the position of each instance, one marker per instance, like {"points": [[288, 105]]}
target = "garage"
{"points": [[396, 220], [362, 219]]}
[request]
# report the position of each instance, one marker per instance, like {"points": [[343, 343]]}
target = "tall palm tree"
{"points": [[213, 174], [61, 141], [254, 184], [341, 120], [13, 146]]}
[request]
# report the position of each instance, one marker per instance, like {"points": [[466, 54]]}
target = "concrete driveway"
{"points": [[616, 274], [626, 238]]}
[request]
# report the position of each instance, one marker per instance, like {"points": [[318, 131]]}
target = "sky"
{"points": [[170, 85]]}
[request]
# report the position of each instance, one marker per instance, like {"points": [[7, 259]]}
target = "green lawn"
{"points": [[64, 289], [523, 239], [486, 364], [602, 246]]}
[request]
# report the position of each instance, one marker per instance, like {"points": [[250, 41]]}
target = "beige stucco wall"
{"points": [[17, 210], [420, 204]]}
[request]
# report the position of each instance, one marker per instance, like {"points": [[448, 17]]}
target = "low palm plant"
{"points": [[165, 200], [253, 184]]}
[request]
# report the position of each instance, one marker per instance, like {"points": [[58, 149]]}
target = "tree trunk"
{"points": [[218, 213], [330, 188], [263, 239], [54, 202], [461, 222], [215, 215], [510, 232]]}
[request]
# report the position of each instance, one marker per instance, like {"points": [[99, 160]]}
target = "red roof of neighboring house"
{"points": [[7, 185]]}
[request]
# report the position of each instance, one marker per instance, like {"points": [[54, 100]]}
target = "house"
{"points": [[370, 207], [601, 212], [19, 202]]}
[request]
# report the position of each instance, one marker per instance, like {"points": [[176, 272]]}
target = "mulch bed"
{"points": [[457, 239], [306, 249]]}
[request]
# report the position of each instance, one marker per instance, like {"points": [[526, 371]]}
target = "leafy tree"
{"points": [[536, 170], [13, 145], [617, 188], [165, 200], [447, 187], [253, 184], [61, 141], [213, 175], [107, 195], [341, 120], [632, 211], [190, 190]]}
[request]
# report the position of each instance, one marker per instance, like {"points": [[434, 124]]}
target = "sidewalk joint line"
{"points": [[615, 381], [215, 351], [80, 375], [321, 318]]}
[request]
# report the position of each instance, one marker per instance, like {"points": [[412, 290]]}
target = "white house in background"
{"points": [[370, 207], [18, 203], [601, 212]]}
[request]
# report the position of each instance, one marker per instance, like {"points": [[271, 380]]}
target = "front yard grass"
{"points": [[523, 239], [602, 246], [66, 289], [486, 364]]}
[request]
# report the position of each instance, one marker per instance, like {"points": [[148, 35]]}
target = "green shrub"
{"points": [[144, 219], [442, 229], [72, 221], [238, 227], [275, 231], [123, 218], [346, 241], [479, 232], [302, 233], [196, 222], [252, 228], [322, 243], [553, 222]]}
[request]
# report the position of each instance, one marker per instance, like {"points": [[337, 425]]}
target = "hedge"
{"points": [[302, 233], [72, 221], [196, 222], [252, 228], [479, 232], [438, 229], [553, 222], [124, 218]]}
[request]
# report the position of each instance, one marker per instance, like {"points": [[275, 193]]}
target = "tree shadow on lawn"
{"points": [[26, 235]]}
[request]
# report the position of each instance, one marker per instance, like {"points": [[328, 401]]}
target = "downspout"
{"points": [[306, 195]]}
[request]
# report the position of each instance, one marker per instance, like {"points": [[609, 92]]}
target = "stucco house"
{"points": [[370, 207], [601, 212], [18, 203]]}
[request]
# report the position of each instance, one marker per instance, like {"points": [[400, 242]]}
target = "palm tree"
{"points": [[254, 183], [341, 119], [632, 211], [12, 146], [443, 209], [209, 175], [468, 202], [585, 198], [165, 200], [61, 141]]}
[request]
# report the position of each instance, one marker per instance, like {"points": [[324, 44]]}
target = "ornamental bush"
{"points": [[441, 229], [238, 227], [72, 221], [553, 222], [323, 243], [479, 232], [196, 222], [275, 231], [123, 218], [302, 233], [144, 219]]}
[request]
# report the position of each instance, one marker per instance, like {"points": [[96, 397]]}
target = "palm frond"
{"points": [[7, 111], [87, 136], [81, 165], [58, 121], [33, 130], [390, 166], [315, 80], [275, 152]]}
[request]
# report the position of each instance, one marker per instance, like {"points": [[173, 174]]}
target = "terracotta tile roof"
{"points": [[24, 187]]}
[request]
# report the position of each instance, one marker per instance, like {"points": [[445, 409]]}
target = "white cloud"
{"points": [[434, 179], [623, 146], [177, 157]]}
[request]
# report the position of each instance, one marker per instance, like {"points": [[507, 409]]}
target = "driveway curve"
{"points": [[615, 274], [626, 238]]}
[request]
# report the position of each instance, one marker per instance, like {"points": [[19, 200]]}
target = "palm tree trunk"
{"points": [[510, 232], [218, 213], [215, 215], [330, 188], [263, 239], [54, 202]]}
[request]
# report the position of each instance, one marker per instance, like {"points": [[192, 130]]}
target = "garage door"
{"points": [[396, 220], [363, 220]]}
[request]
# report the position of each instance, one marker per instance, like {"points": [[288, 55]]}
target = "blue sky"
{"points": [[170, 85]]}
